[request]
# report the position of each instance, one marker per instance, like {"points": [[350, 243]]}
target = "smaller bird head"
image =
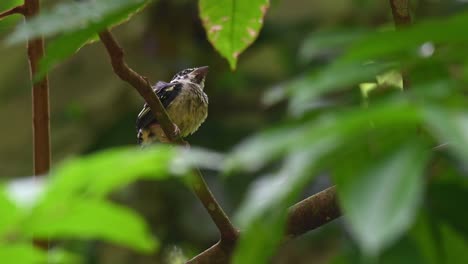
{"points": [[192, 75]]}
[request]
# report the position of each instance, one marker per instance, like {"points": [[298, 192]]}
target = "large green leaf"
{"points": [[340, 127], [381, 199], [69, 43], [263, 214], [89, 219], [232, 25], [98, 174], [71, 16]]}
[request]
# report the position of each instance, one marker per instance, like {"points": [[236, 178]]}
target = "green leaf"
{"points": [[263, 214], [304, 90], [69, 43], [7, 23], [90, 219], [443, 199], [22, 254], [71, 16], [232, 25], [254, 152], [9, 212], [380, 201], [98, 174], [449, 127], [445, 30], [328, 42]]}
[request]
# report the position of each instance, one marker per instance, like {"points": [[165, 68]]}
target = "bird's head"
{"points": [[192, 75]]}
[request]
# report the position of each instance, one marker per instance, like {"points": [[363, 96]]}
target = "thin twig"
{"points": [[15, 10], [402, 18], [227, 231], [309, 214]]}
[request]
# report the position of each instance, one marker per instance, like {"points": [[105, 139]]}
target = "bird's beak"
{"points": [[201, 71]]}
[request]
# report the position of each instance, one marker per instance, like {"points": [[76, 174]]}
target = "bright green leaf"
{"points": [[380, 201], [22, 254], [9, 212], [100, 173], [90, 219], [232, 25]]}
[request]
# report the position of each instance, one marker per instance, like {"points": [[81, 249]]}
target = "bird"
{"points": [[185, 102]]}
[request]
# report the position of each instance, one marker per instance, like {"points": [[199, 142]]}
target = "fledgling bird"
{"points": [[185, 103]]}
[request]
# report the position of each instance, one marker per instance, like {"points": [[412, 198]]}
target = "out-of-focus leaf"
{"points": [[447, 29], [380, 202], [90, 219], [305, 90], [71, 16], [444, 200], [454, 246], [232, 25], [9, 212], [449, 128], [262, 215], [256, 151], [98, 174], [22, 254], [69, 43], [326, 43]]}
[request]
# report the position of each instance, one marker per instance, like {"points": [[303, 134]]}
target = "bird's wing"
{"points": [[166, 93]]}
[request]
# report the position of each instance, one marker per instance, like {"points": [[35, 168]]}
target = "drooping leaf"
{"points": [[232, 25], [71, 16], [380, 199], [70, 42], [263, 214], [90, 219]]}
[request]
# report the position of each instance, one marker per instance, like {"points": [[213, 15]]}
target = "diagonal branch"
{"points": [[309, 214], [15, 10], [228, 232]]}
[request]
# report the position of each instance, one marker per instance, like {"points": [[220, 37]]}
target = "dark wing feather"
{"points": [[166, 93]]}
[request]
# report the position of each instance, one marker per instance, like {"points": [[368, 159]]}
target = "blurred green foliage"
{"points": [[398, 157]]}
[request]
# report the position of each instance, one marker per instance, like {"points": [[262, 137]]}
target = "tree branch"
{"points": [[402, 18], [309, 214], [40, 102], [15, 10], [401, 12], [227, 231], [40, 97]]}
